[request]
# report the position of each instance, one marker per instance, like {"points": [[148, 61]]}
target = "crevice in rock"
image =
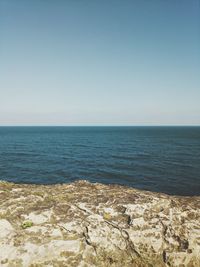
{"points": [[88, 240], [129, 243]]}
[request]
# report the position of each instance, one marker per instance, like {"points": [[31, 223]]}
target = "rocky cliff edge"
{"points": [[84, 224]]}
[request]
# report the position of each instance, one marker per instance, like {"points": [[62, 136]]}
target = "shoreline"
{"points": [[122, 186], [93, 224]]}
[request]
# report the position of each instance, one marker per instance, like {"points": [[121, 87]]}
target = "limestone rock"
{"points": [[83, 224]]}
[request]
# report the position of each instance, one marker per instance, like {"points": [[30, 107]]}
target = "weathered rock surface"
{"points": [[84, 224]]}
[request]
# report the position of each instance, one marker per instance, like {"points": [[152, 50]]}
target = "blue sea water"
{"points": [[162, 159]]}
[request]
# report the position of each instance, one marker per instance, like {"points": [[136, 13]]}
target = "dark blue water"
{"points": [[163, 159]]}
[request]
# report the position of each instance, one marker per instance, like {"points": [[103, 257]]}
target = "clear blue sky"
{"points": [[89, 62]]}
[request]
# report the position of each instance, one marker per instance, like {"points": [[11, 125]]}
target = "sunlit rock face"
{"points": [[84, 224]]}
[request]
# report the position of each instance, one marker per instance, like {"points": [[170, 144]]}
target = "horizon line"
{"points": [[101, 125]]}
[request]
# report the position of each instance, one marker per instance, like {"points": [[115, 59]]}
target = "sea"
{"points": [[161, 159]]}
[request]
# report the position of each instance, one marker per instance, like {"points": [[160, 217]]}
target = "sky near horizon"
{"points": [[102, 62]]}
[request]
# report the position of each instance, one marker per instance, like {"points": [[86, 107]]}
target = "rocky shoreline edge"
{"points": [[91, 224]]}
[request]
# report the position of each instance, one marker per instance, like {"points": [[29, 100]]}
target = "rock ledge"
{"points": [[84, 224]]}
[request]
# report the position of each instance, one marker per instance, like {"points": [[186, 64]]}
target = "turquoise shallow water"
{"points": [[163, 159]]}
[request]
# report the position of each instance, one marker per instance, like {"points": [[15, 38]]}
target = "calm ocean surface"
{"points": [[163, 159]]}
